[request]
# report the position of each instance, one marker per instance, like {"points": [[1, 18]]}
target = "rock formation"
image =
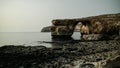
{"points": [[97, 54], [63, 28], [46, 29], [108, 26]]}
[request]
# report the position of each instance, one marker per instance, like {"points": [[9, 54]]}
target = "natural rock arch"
{"points": [[92, 28]]}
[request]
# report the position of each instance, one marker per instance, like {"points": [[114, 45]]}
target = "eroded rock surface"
{"points": [[108, 24], [48, 28], [63, 28], [89, 54]]}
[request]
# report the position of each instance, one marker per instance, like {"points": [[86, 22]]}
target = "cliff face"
{"points": [[105, 25], [63, 28], [48, 28], [101, 24]]}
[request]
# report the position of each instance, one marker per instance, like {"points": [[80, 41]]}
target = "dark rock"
{"points": [[87, 66], [67, 56], [113, 63]]}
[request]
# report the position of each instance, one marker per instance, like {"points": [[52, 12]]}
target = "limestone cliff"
{"points": [[48, 28], [106, 25]]}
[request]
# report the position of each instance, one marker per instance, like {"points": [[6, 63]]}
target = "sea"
{"points": [[29, 38]]}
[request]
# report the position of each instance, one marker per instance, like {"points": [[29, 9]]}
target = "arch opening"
{"points": [[76, 33]]}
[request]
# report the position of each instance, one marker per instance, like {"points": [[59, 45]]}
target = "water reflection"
{"points": [[58, 42], [62, 39]]}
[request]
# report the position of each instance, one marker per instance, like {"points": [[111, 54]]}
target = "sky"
{"points": [[33, 15]]}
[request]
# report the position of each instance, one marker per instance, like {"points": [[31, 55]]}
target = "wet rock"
{"points": [[87, 66], [90, 54], [114, 63]]}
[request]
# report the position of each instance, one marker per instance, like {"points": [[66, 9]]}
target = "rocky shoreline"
{"points": [[85, 54]]}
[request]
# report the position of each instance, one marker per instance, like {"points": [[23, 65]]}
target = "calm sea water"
{"points": [[28, 38]]}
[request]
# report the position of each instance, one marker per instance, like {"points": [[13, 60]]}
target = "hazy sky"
{"points": [[32, 15]]}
